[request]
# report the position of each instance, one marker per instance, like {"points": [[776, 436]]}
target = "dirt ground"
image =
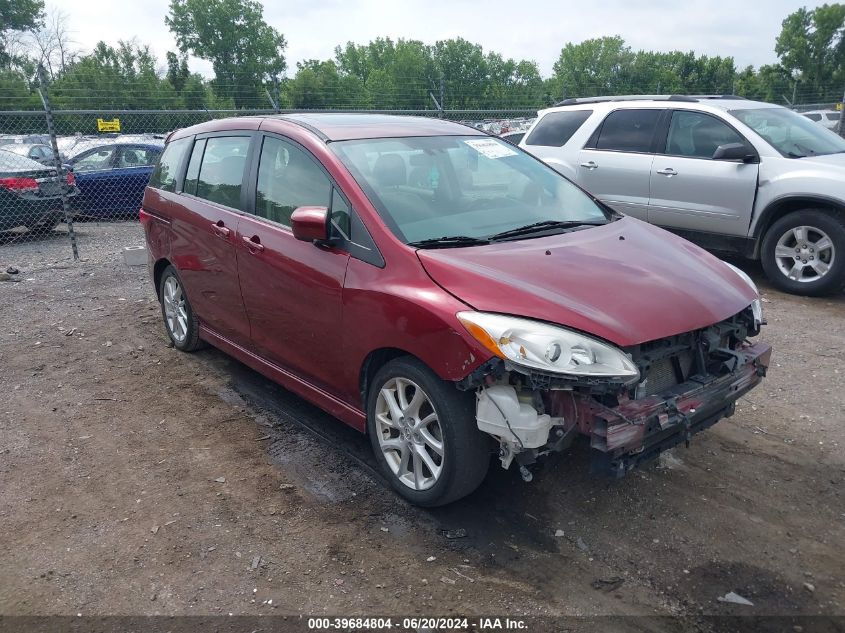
{"points": [[135, 479]]}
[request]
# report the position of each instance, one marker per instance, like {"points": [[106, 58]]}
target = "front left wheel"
{"points": [[424, 435], [180, 321], [804, 252]]}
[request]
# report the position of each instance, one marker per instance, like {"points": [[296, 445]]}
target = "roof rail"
{"points": [[687, 98]]}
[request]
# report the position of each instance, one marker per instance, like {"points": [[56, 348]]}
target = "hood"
{"points": [[627, 282], [835, 161]]}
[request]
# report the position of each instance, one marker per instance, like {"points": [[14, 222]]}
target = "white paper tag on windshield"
{"points": [[490, 148]]}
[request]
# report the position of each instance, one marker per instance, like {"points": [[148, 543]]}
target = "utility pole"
{"points": [[442, 95], [57, 161]]}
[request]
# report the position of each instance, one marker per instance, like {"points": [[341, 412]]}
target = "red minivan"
{"points": [[444, 292]]}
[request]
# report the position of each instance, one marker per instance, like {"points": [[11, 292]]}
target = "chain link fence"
{"points": [[76, 178]]}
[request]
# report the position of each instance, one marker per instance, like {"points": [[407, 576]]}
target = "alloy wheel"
{"points": [[804, 254], [175, 310], [409, 433]]}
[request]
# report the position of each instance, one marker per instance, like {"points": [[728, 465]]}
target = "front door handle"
{"points": [[590, 165], [667, 172], [253, 244], [220, 230]]}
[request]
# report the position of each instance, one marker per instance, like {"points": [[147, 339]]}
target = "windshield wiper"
{"points": [[449, 241], [544, 225]]}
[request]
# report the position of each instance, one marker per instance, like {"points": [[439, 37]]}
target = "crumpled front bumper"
{"points": [[637, 431]]}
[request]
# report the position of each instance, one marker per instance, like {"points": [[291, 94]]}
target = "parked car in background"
{"points": [[111, 177], [444, 292], [30, 194], [730, 174], [827, 118], [35, 151], [11, 139]]}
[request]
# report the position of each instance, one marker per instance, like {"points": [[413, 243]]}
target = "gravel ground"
{"points": [[138, 480]]}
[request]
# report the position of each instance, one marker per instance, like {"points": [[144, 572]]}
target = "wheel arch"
{"points": [[374, 361], [158, 271], [784, 206]]}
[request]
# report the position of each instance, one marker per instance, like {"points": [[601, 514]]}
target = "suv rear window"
{"points": [[164, 175], [556, 128], [628, 130]]}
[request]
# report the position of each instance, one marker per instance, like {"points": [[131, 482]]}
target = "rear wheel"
{"points": [[424, 434], [179, 319], [47, 224], [804, 252]]}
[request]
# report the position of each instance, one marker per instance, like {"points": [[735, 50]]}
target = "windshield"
{"points": [[427, 188], [791, 134]]}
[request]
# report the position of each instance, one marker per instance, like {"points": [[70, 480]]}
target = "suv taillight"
{"points": [[21, 185], [70, 179]]}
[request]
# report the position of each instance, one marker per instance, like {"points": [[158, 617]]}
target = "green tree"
{"points": [[463, 68], [177, 70], [593, 67], [16, 17], [122, 77], [245, 52], [811, 48]]}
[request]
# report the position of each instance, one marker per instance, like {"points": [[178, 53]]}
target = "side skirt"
{"points": [[329, 403]]}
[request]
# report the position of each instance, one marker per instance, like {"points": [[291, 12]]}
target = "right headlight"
{"points": [[550, 348]]}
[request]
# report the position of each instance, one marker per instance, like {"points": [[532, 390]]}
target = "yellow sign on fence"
{"points": [[839, 106], [108, 126]]}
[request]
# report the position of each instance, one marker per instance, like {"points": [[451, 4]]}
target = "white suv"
{"points": [[828, 118], [729, 174]]}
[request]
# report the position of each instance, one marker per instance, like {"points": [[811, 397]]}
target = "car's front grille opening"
{"points": [[668, 372]]}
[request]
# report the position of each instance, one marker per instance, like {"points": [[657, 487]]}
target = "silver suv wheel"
{"points": [[805, 253]]}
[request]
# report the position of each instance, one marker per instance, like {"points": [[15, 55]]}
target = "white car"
{"points": [[827, 118], [732, 175]]}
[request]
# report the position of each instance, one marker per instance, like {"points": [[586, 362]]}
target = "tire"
{"points": [[817, 239], [465, 450], [46, 226], [180, 321]]}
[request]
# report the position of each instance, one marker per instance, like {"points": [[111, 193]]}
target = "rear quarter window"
{"points": [[164, 175], [556, 128]]}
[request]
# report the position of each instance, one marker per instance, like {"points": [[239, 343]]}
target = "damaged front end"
{"points": [[685, 384]]}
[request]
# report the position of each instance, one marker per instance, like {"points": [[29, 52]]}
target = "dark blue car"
{"points": [[111, 178]]}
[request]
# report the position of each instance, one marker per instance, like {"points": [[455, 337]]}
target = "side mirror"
{"points": [[310, 224], [734, 151]]}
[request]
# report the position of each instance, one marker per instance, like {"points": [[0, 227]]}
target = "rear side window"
{"points": [[222, 170], [164, 175], [288, 178], [834, 116], [814, 117], [628, 130], [556, 128]]}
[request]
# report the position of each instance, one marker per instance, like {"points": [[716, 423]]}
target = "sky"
{"points": [[531, 29]]}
